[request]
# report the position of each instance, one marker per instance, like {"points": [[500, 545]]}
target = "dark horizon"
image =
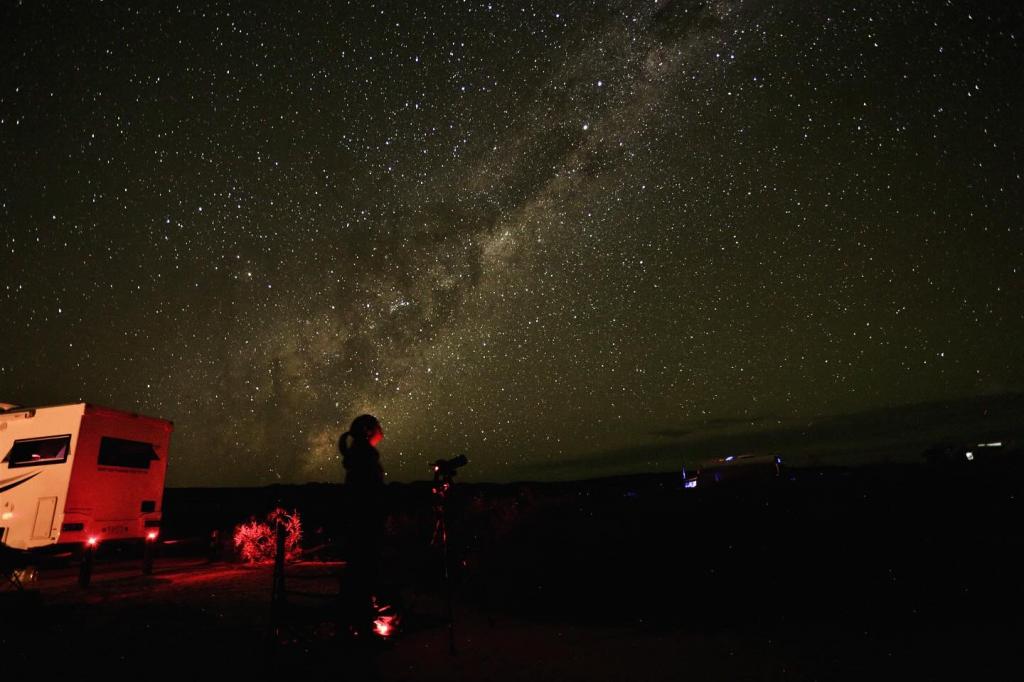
{"points": [[565, 240], [875, 438]]}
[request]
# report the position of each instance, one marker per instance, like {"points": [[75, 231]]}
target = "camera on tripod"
{"points": [[444, 473], [446, 468]]}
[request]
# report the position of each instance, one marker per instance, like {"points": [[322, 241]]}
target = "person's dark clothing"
{"points": [[365, 520], [364, 491], [362, 466]]}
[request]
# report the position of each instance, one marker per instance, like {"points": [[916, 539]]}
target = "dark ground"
{"points": [[910, 571]]}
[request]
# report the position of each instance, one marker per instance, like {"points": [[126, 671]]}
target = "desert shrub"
{"points": [[256, 540]]}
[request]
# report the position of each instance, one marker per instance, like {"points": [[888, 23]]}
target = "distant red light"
{"points": [[93, 542], [151, 535]]}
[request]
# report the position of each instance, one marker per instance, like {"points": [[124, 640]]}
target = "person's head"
{"points": [[366, 427]]}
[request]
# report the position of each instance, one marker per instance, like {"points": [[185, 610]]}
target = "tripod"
{"points": [[444, 474]]}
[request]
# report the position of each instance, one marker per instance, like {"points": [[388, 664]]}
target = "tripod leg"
{"points": [[441, 537], [448, 590]]}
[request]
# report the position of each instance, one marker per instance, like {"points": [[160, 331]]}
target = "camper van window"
{"points": [[33, 451], [117, 452]]}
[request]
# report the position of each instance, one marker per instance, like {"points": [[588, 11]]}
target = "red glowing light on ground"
{"points": [[384, 625], [151, 535], [386, 621], [257, 540], [93, 542]]}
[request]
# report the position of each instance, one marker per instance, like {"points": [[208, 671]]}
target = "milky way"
{"points": [[565, 238]]}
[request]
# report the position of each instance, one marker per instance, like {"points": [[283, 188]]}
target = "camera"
{"points": [[449, 467]]}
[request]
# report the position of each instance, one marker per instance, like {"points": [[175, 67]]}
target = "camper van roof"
{"points": [[89, 408]]}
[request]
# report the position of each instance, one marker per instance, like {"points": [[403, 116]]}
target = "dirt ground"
{"points": [[201, 618], [826, 575]]}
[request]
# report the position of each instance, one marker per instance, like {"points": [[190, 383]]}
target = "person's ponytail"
{"points": [[342, 445]]}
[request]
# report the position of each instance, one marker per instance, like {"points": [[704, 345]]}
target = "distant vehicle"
{"points": [[734, 468], [691, 478], [964, 454], [80, 473]]}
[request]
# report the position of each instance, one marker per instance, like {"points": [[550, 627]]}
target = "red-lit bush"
{"points": [[256, 541]]}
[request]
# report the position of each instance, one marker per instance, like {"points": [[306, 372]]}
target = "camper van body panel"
{"points": [[114, 493], [29, 515]]}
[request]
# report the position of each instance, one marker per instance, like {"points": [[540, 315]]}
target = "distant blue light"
{"points": [[730, 458], [690, 484]]}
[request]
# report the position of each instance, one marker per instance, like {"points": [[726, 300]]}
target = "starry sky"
{"points": [[565, 238]]}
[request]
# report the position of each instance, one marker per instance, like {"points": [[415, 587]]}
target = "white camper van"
{"points": [[80, 473]]}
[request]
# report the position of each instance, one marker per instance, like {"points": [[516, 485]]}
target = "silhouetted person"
{"points": [[365, 519]]}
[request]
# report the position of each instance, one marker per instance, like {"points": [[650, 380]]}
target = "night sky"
{"points": [[565, 238]]}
